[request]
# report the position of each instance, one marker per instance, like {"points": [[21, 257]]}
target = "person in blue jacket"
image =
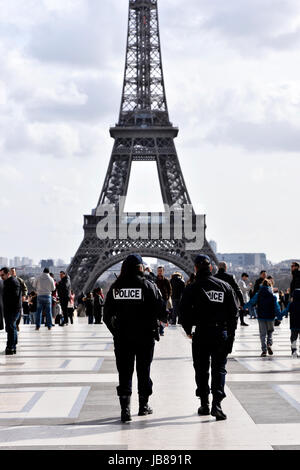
{"points": [[294, 309], [268, 309]]}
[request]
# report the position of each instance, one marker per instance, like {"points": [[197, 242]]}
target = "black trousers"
{"points": [[294, 337], [209, 355], [64, 307], [128, 352], [98, 317], [71, 314], [11, 330]]}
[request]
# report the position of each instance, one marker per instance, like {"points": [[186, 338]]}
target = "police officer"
{"points": [[210, 305], [132, 311]]}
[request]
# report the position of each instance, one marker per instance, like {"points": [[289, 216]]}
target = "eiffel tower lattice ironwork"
{"points": [[143, 133]]}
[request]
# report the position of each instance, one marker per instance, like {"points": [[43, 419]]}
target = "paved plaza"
{"points": [[59, 392]]}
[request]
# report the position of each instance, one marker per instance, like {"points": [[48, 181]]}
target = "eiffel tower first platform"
{"points": [[143, 133]]}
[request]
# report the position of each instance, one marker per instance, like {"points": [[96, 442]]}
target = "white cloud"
{"points": [[263, 137], [79, 37], [10, 173]]}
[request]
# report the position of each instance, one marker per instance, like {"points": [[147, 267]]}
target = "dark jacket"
{"points": [[132, 308], [178, 286], [89, 307], [165, 287], [1, 305], [210, 305], [295, 284], [64, 288], [257, 285], [33, 304], [230, 279], [25, 307], [294, 310], [268, 307], [12, 296]]}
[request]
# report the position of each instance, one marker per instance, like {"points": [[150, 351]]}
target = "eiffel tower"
{"points": [[143, 133]]}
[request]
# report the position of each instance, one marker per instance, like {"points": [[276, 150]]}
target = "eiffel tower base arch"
{"points": [[96, 256]]}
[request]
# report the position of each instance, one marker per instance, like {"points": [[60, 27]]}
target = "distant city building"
{"points": [[60, 262], [26, 261], [244, 259], [17, 261], [47, 263], [4, 262], [213, 244]]}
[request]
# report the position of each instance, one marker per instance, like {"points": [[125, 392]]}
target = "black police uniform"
{"points": [[210, 305], [295, 284], [132, 310]]}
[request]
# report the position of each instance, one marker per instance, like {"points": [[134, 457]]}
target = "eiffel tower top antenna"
{"points": [[143, 100]]}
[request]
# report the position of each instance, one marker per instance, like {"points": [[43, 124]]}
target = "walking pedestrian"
{"points": [[63, 288], [295, 284], [12, 301], [191, 279], [26, 311], [230, 279], [89, 307], [98, 305], [44, 286], [132, 310], [259, 281], [267, 310], [71, 306], [166, 291], [178, 286], [245, 288], [24, 289], [209, 304], [294, 309], [281, 300], [32, 307], [80, 306]]}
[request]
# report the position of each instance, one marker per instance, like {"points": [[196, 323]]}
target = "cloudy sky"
{"points": [[233, 87]]}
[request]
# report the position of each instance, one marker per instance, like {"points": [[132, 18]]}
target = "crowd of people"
{"points": [[260, 300], [264, 302], [53, 302], [140, 304], [50, 303]]}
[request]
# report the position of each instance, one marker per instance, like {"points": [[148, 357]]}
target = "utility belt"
{"points": [[212, 326], [208, 330]]}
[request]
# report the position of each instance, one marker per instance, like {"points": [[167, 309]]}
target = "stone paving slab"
{"points": [[59, 392]]}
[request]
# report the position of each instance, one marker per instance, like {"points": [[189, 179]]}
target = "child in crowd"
{"points": [[267, 310], [26, 311]]}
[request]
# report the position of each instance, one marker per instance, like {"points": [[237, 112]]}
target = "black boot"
{"points": [[204, 408], [125, 409], [9, 352], [217, 411], [144, 408]]}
